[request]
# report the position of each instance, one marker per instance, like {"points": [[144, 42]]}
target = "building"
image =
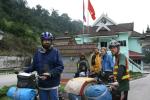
{"points": [[146, 40], [146, 47], [105, 29], [71, 51]]}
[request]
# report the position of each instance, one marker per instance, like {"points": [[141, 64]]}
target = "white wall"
{"points": [[134, 45], [124, 49]]}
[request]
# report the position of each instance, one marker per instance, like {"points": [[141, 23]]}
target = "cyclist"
{"points": [[120, 72], [48, 64]]}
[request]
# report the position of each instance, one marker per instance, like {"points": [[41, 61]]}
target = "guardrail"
{"points": [[135, 66]]}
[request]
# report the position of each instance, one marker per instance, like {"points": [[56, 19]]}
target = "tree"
{"points": [[19, 17], [146, 58]]}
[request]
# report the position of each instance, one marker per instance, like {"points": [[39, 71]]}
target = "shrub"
{"points": [[3, 91]]}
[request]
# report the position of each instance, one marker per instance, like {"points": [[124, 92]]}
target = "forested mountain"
{"points": [[25, 23]]}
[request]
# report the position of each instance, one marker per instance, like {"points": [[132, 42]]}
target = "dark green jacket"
{"points": [[123, 84]]}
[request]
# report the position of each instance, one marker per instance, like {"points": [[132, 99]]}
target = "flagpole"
{"points": [[88, 22], [88, 19], [83, 17], [83, 32], [83, 26]]}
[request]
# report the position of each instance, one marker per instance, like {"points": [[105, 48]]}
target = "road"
{"points": [[140, 89], [11, 79], [7, 79]]}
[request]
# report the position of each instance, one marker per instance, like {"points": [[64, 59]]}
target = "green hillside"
{"points": [[22, 26]]}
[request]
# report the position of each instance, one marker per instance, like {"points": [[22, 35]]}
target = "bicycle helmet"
{"points": [[114, 43], [47, 36]]}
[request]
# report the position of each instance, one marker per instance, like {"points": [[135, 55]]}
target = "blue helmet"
{"points": [[47, 36]]}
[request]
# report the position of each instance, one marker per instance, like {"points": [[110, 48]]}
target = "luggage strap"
{"points": [[15, 93], [94, 98]]}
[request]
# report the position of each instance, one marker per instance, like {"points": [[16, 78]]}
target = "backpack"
{"points": [[82, 66]]}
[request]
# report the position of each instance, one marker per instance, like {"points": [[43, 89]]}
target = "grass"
{"points": [[4, 98], [3, 92], [135, 75], [61, 88]]}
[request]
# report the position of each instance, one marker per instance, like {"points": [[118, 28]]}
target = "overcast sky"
{"points": [[120, 11]]}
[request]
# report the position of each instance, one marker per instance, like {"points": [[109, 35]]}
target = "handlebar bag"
{"points": [[26, 81]]}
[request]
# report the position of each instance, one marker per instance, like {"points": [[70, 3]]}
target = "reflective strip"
{"points": [[125, 77], [115, 73], [115, 67]]}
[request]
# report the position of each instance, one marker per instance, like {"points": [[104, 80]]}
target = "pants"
{"points": [[49, 94], [123, 95]]}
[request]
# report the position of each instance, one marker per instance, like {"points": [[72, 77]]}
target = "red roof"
{"points": [[75, 50], [135, 55]]}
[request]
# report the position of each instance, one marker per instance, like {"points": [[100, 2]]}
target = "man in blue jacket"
{"points": [[107, 65], [49, 66]]}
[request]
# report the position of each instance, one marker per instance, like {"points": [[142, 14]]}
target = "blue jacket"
{"points": [[107, 63], [50, 62]]}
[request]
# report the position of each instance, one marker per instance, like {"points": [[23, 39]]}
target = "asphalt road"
{"points": [[11, 79], [8, 79], [140, 89]]}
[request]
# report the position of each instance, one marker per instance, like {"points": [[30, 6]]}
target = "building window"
{"points": [[122, 43], [103, 44]]}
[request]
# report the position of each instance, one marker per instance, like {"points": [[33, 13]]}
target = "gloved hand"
{"points": [[114, 84], [45, 76]]}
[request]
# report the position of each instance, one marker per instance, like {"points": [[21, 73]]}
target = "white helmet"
{"points": [[114, 43]]}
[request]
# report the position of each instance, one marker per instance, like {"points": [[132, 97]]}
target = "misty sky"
{"points": [[120, 11]]}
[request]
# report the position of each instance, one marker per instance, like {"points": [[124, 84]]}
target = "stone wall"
{"points": [[14, 61]]}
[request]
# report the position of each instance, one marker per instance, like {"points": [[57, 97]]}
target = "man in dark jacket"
{"points": [[49, 66]]}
